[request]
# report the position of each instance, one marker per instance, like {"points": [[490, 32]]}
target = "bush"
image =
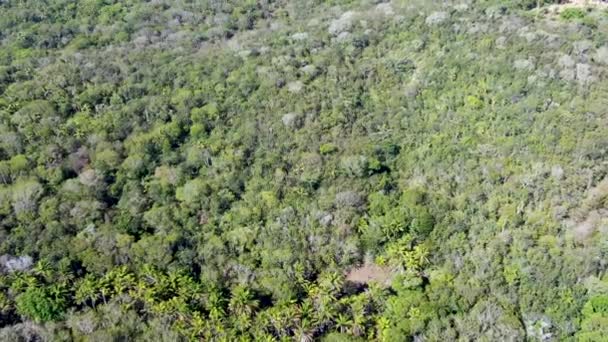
{"points": [[349, 199], [327, 148], [423, 222], [572, 14], [38, 304]]}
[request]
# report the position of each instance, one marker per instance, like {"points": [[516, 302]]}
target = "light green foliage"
{"points": [[595, 319], [356, 166], [192, 192], [18, 164], [229, 170], [40, 304], [572, 14], [327, 148], [26, 194]]}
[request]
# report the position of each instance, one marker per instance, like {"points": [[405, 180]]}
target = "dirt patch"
{"points": [[585, 2], [592, 214], [585, 229], [370, 273], [578, 3]]}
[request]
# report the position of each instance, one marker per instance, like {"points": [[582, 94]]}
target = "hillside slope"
{"points": [[303, 170]]}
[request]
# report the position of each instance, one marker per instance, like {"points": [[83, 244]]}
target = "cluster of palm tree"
{"points": [[326, 304]]}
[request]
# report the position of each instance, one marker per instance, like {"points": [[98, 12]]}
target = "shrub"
{"points": [[572, 14], [354, 166], [26, 195], [327, 148], [38, 304], [192, 191], [349, 199]]}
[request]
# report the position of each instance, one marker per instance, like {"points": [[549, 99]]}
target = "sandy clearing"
{"points": [[370, 273]]}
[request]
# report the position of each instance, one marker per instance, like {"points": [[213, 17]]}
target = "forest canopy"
{"points": [[278, 170]]}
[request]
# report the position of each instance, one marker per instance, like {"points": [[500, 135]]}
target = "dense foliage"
{"points": [[212, 170]]}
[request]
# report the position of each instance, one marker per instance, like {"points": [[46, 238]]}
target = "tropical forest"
{"points": [[303, 170]]}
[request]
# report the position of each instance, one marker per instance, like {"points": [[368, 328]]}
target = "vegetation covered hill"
{"points": [[213, 170]]}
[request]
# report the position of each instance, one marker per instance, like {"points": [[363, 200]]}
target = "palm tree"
{"points": [[376, 295], [241, 322], [343, 323], [242, 302], [197, 326], [64, 272], [312, 290], [86, 290], [5, 303], [43, 269], [299, 272], [382, 328], [304, 332], [189, 288], [104, 289], [215, 304], [58, 291], [141, 291], [332, 282], [277, 320], [358, 326], [174, 280], [417, 258], [121, 279], [263, 337], [262, 323], [306, 309], [21, 281], [325, 308]]}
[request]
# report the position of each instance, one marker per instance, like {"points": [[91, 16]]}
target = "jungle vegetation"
{"points": [[178, 170]]}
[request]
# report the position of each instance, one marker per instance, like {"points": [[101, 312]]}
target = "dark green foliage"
{"points": [[302, 170]]}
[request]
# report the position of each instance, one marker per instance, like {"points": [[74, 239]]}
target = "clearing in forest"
{"points": [[370, 273]]}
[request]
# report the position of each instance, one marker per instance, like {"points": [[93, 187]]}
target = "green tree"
{"points": [[87, 291], [41, 304], [242, 301]]}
